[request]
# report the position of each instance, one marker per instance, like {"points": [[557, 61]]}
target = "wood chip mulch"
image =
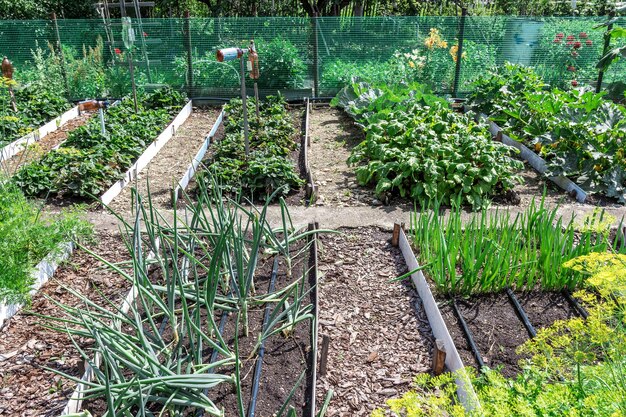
{"points": [[26, 347], [379, 336]]}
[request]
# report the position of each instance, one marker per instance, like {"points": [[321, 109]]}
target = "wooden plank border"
{"points": [[311, 188], [36, 135], [148, 154], [465, 391], [197, 160], [537, 162], [42, 273]]}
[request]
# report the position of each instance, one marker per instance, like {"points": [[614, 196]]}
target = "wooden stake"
{"points": [[324, 354], [499, 136], [439, 357], [395, 238]]}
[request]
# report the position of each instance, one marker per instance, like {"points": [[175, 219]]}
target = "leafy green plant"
{"points": [[579, 134], [26, 238], [88, 162], [417, 146], [268, 168]]}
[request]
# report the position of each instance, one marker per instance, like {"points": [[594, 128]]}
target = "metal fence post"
{"points": [[316, 66], [605, 50], [59, 51], [190, 88], [459, 53]]}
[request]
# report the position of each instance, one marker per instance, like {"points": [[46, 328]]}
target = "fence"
{"points": [[301, 56]]}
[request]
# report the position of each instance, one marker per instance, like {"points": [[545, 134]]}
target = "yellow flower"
{"points": [[411, 64]]}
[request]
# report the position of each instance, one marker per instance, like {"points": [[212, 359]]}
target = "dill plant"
{"points": [[26, 237]]}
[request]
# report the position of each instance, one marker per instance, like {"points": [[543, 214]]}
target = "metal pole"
{"points": [[190, 89], [605, 50], [316, 74], [459, 53], [245, 105], [132, 78], [256, 101], [102, 127], [60, 52]]}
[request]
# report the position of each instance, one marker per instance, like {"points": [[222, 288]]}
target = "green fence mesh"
{"points": [[300, 56]]}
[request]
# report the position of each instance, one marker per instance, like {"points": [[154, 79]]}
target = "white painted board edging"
{"points": [[75, 402], [465, 390], [197, 160], [148, 154], [15, 147], [42, 273], [536, 161]]}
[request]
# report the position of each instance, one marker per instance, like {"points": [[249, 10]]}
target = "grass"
{"points": [[489, 253], [26, 238]]}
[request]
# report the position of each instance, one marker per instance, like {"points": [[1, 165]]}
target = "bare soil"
{"points": [[26, 346], [161, 176], [379, 336]]}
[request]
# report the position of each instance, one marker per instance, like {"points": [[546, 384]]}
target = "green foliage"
{"points": [[488, 253], [37, 104], [26, 238], [88, 162], [417, 146], [577, 132], [268, 170]]}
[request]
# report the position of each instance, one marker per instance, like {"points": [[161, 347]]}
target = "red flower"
{"points": [[574, 54], [118, 51], [570, 43], [574, 83], [577, 45], [557, 40], [145, 35], [588, 42], [560, 35], [582, 35], [571, 68], [570, 37]]}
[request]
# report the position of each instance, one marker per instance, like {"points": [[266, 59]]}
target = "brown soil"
{"points": [[496, 328], [26, 388], [171, 163], [36, 150], [379, 336]]}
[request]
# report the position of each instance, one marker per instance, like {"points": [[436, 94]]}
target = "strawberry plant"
{"points": [[268, 167], [88, 162], [417, 146], [579, 133]]}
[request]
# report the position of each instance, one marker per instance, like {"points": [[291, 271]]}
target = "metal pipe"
{"points": [[259, 361], [245, 106], [468, 335], [521, 313], [459, 53]]}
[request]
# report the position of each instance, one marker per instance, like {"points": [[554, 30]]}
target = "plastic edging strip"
{"points": [[537, 162], [465, 390], [36, 135], [311, 189], [313, 266], [43, 272], [148, 154], [197, 160]]}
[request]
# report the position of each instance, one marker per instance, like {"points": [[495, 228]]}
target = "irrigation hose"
{"points": [[575, 304], [468, 336], [259, 360], [521, 313]]}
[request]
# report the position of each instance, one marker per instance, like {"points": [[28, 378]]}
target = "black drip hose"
{"points": [[574, 303], [521, 313], [468, 335], [259, 360]]}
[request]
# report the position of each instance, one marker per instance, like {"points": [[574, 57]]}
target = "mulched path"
{"points": [[44, 145], [171, 163], [378, 340], [26, 347]]}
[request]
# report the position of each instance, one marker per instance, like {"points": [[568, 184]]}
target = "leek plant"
{"points": [[489, 253], [156, 355]]}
